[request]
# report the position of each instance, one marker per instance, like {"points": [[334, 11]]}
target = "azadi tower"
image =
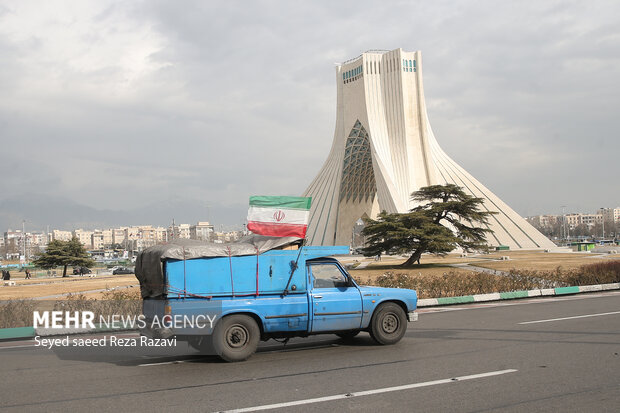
{"points": [[384, 149]]}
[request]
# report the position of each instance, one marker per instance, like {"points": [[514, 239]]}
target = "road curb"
{"points": [[478, 298], [24, 333], [30, 332], [16, 333]]}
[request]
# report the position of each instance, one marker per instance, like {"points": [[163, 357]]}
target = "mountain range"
{"points": [[39, 211]]}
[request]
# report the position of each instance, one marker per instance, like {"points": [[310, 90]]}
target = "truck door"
{"points": [[336, 302]]}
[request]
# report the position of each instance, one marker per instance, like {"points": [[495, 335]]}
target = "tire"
{"points": [[348, 335], [236, 337], [388, 324]]}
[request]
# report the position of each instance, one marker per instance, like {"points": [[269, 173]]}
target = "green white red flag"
{"points": [[279, 216]]}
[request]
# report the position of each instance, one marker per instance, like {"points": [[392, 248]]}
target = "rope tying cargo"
{"points": [[257, 253], [184, 277], [232, 283]]}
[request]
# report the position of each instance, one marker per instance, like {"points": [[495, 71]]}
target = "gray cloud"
{"points": [[123, 104]]}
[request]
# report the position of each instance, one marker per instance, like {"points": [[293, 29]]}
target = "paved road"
{"points": [[566, 358]]}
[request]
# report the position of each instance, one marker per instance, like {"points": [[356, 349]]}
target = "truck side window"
{"points": [[328, 276]]}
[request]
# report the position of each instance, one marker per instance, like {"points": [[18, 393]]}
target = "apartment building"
{"points": [[544, 220], [97, 240], [179, 231], [610, 214], [201, 231], [58, 235], [119, 235], [161, 235], [85, 237]]}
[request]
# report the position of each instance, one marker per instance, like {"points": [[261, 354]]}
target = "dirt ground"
{"points": [[545, 261], [437, 265], [52, 286]]}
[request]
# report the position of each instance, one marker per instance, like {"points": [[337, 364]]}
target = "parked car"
{"points": [[81, 270], [122, 270]]}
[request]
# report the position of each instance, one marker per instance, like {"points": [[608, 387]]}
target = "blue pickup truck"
{"points": [[261, 288]]}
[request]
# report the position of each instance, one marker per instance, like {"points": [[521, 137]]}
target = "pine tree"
{"points": [[446, 218], [64, 253]]}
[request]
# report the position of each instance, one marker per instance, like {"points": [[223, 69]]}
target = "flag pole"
{"points": [[293, 268]]}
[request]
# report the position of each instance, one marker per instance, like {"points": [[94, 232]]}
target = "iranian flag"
{"points": [[279, 216]]}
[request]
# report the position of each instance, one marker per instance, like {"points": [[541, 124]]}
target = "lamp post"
{"points": [[24, 237], [603, 215], [564, 222]]}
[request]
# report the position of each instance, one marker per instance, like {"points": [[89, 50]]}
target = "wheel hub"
{"points": [[390, 323], [237, 336]]}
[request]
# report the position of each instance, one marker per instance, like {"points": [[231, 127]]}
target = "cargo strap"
{"points": [[257, 253], [232, 283], [184, 276]]}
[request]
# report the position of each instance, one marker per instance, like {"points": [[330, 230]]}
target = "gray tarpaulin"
{"points": [[149, 268]]}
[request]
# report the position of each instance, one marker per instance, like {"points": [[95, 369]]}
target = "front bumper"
{"points": [[412, 316]]}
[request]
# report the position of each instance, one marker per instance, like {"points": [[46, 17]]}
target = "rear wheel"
{"points": [[236, 337], [388, 324]]}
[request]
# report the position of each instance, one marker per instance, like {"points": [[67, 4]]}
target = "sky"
{"points": [[121, 105]]}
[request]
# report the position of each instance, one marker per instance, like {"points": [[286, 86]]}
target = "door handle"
{"points": [[317, 296]]}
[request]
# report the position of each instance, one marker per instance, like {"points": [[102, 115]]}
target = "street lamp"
{"points": [[603, 215], [564, 222], [24, 237]]}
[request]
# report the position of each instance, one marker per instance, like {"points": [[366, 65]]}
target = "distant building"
{"points": [[573, 219], [97, 240], [85, 237], [201, 231], [108, 238], [178, 231], [13, 243], [610, 214], [58, 235], [146, 237], [119, 235], [591, 219], [543, 221], [161, 235]]}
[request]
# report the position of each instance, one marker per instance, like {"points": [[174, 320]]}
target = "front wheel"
{"points": [[388, 324], [236, 337]]}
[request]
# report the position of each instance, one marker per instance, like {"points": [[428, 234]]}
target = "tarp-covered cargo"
{"points": [[151, 263], [255, 265]]}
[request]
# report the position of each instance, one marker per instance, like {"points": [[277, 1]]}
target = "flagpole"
{"points": [[294, 267]]}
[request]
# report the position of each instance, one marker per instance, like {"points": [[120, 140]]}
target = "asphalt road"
{"points": [[473, 358]]}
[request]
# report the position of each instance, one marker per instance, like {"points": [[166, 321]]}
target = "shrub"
{"points": [[454, 284], [113, 302], [16, 313]]}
